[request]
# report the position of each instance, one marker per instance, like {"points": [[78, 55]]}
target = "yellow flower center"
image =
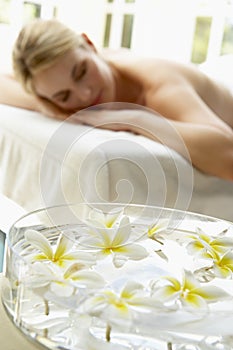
{"points": [[185, 293]]}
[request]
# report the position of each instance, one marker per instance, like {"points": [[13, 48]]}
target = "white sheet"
{"points": [[44, 162]]}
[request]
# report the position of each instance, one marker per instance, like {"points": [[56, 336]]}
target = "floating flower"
{"points": [[60, 253], [98, 218], [189, 292], [223, 265], [63, 282], [156, 230], [115, 241], [118, 308], [205, 245], [220, 266]]}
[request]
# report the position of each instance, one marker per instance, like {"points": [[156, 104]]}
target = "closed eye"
{"points": [[78, 74], [65, 96], [62, 96]]}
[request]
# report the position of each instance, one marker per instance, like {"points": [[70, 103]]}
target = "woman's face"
{"points": [[79, 79]]}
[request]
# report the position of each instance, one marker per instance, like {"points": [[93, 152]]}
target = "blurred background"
{"points": [[183, 30]]}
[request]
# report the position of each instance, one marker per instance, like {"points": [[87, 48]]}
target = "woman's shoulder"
{"points": [[129, 59], [155, 71]]}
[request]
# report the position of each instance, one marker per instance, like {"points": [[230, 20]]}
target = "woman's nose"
{"points": [[84, 93]]}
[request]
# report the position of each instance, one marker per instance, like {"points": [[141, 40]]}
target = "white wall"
{"points": [[7, 38], [164, 28], [84, 16]]}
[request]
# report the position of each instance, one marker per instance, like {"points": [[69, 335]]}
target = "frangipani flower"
{"points": [[220, 266], [118, 308], [205, 245], [156, 230], [189, 292], [98, 218], [116, 241], [223, 265], [60, 253], [63, 282]]}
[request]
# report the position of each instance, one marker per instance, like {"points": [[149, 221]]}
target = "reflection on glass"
{"points": [[227, 42], [107, 32], [127, 31], [201, 39]]}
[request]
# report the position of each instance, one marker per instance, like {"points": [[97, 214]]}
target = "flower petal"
{"points": [[63, 246], [130, 289], [94, 305], [226, 242], [166, 294], [227, 259], [123, 232], [73, 269], [174, 282], [62, 289], [106, 219], [158, 228], [118, 315], [89, 279], [132, 251], [194, 247], [85, 258], [39, 241], [211, 293], [189, 281], [222, 271], [195, 301], [92, 242]]}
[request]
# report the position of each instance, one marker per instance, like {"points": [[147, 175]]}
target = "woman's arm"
{"points": [[13, 94], [207, 147]]}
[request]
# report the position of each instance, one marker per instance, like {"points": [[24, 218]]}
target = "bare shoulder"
{"points": [[159, 77], [153, 71]]}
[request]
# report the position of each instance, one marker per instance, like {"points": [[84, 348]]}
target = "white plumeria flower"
{"points": [[98, 218], [117, 309], [62, 282], [115, 241], [157, 230], [223, 265], [189, 292], [60, 253], [205, 245]]}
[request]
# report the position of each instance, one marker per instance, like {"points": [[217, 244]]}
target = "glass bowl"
{"points": [[115, 276]]}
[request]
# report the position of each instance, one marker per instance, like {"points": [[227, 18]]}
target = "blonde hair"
{"points": [[39, 44]]}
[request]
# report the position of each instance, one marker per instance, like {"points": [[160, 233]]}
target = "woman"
{"points": [[64, 73]]}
